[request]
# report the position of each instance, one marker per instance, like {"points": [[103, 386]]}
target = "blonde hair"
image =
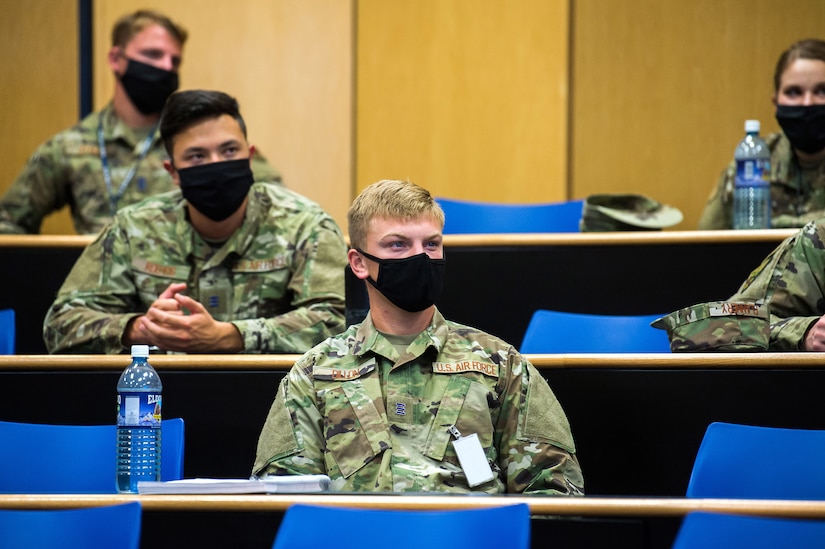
{"points": [[129, 25], [390, 199]]}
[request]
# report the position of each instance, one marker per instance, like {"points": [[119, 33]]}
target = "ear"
{"points": [[357, 265], [251, 152], [115, 59], [773, 99], [172, 171]]}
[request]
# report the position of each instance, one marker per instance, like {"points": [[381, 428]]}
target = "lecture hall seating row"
{"points": [[493, 282]]}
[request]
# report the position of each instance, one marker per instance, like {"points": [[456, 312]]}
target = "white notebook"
{"points": [[289, 484]]}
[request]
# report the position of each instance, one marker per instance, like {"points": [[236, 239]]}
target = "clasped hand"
{"points": [[176, 322]]}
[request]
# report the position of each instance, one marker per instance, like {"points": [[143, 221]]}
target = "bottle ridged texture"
{"points": [[138, 432], [752, 193]]}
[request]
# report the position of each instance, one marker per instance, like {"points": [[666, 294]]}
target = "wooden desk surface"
{"points": [[547, 506], [520, 239], [662, 238], [275, 363]]}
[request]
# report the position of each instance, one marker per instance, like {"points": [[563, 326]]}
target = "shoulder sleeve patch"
{"points": [[544, 419], [278, 436]]}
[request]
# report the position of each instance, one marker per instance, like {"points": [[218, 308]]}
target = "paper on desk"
{"points": [[267, 485]]}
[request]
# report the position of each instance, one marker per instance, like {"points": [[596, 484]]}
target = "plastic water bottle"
{"points": [[752, 191], [138, 422]]}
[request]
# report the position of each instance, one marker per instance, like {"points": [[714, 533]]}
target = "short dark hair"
{"points": [[184, 109]]}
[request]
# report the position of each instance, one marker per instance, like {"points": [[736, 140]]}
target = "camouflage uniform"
{"points": [[797, 195], [375, 420], [791, 280], [67, 170], [279, 278]]}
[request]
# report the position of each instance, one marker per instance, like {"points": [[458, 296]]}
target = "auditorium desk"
{"points": [[493, 282], [252, 521], [637, 419], [539, 505]]}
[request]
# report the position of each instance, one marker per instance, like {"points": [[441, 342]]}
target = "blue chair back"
{"points": [[702, 530], [750, 462], [7, 331], [494, 528], [467, 217], [112, 527], [73, 459], [559, 332]]}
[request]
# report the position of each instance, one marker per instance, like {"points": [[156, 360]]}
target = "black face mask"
{"points": [[147, 86], [411, 283], [217, 189], [804, 126]]}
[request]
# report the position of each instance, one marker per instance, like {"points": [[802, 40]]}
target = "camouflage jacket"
{"points": [[279, 279], [67, 170], [791, 280], [797, 195], [376, 420]]}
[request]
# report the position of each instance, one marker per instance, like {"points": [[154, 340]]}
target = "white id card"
{"points": [[473, 461]]}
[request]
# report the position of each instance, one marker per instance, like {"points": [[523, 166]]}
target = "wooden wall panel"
{"points": [[661, 90], [288, 62], [39, 84], [465, 97]]}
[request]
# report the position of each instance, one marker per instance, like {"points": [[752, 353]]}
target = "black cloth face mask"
{"points": [[804, 126], [410, 283], [217, 189], [148, 86]]}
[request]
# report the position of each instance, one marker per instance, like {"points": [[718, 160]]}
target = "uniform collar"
{"points": [[115, 129], [369, 340]]}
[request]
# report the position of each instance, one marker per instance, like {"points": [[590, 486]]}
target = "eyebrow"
{"points": [[436, 236], [159, 52], [225, 144]]}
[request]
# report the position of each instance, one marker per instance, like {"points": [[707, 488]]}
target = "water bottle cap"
{"points": [[752, 126], [140, 350]]}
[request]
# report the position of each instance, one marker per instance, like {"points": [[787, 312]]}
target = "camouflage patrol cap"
{"points": [[626, 212], [718, 326]]}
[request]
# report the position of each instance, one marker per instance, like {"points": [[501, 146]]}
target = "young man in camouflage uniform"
{"points": [[114, 157], [218, 265], [379, 407]]}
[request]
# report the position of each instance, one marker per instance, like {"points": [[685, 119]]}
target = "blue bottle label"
{"points": [[139, 409], [753, 172]]}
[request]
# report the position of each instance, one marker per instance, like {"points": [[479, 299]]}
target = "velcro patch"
{"points": [[727, 308], [343, 374], [156, 269], [259, 265], [486, 368]]}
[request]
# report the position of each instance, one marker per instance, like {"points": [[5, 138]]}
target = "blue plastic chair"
{"points": [[73, 459], [7, 331], [468, 217], [558, 332], [701, 530], [749, 462], [111, 527], [493, 527]]}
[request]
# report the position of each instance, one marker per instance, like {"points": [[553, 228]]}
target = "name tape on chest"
{"points": [[166, 271], [486, 368], [342, 374], [259, 265]]}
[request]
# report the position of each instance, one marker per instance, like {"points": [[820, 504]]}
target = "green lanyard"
{"points": [[114, 198]]}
